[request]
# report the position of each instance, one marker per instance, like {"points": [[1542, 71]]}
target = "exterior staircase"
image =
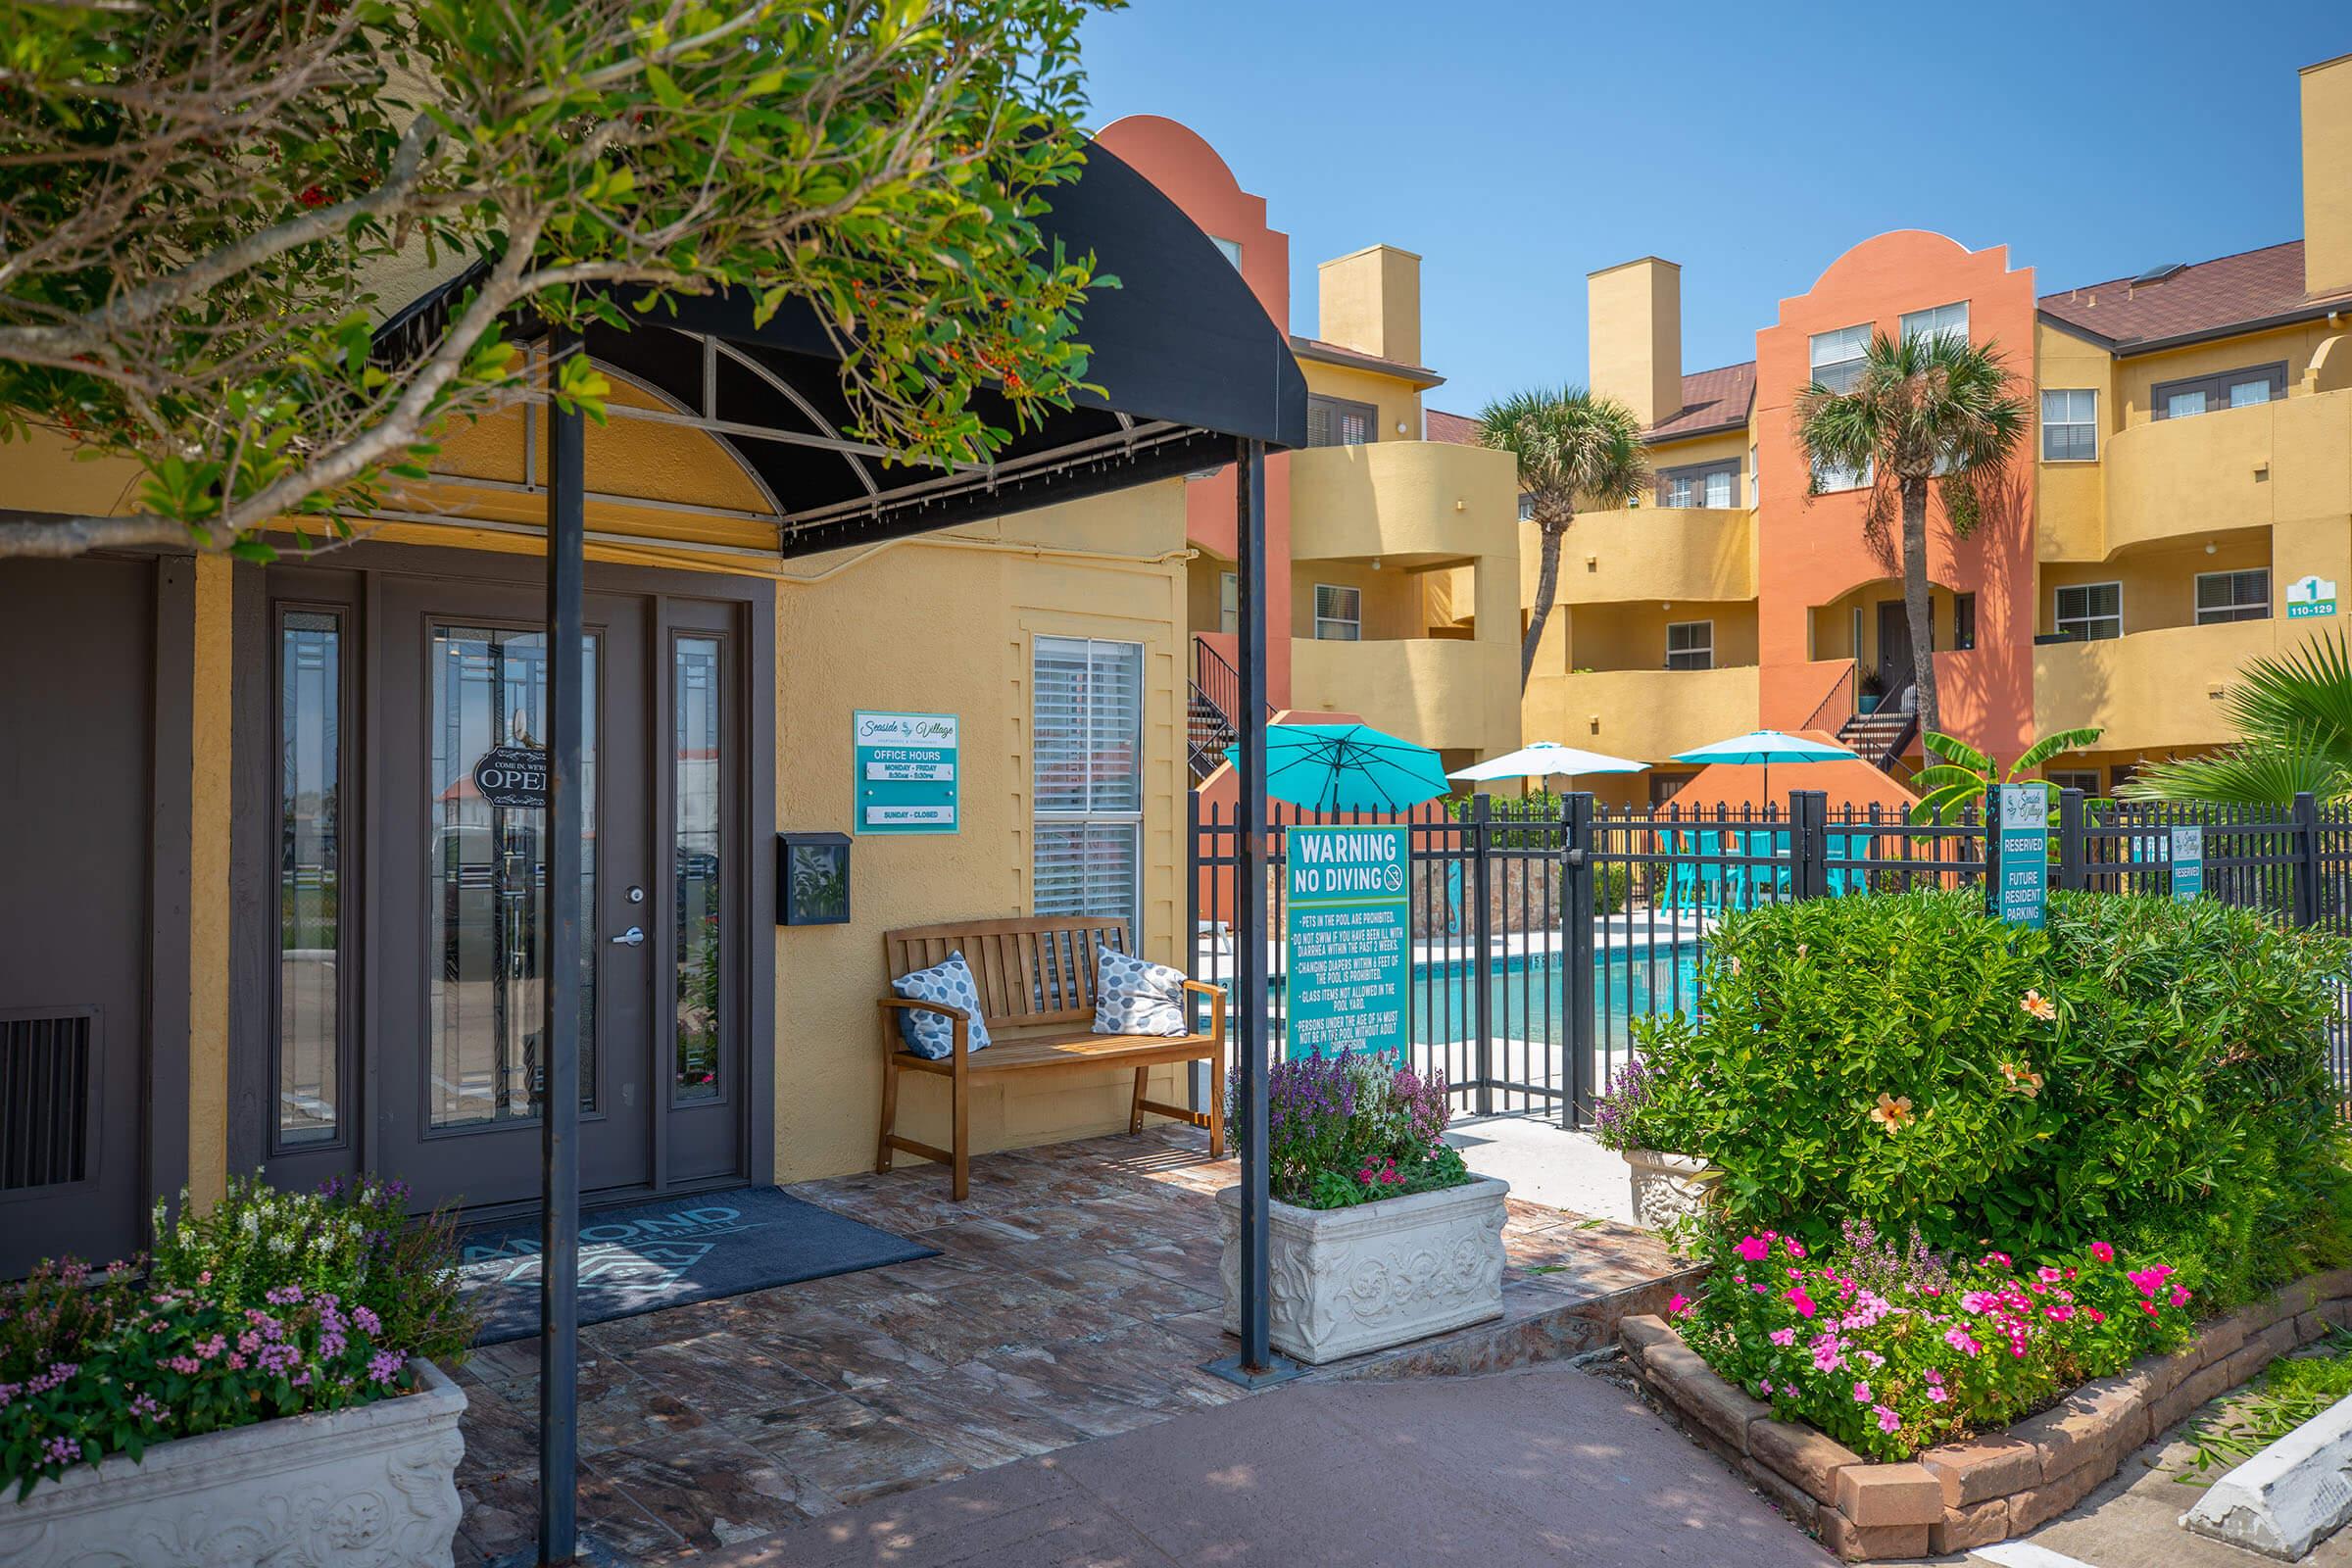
{"points": [[1881, 738], [1208, 732]]}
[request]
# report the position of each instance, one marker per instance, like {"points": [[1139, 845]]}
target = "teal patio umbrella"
{"points": [[1765, 745], [1342, 767]]}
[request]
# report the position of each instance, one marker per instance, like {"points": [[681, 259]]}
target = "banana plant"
{"points": [[1967, 773]]}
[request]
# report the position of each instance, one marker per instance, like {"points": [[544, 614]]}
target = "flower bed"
{"points": [[271, 1304], [1972, 1490], [1353, 1129]]}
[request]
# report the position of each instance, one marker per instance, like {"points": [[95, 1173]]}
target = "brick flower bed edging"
{"points": [[1990, 1486]]}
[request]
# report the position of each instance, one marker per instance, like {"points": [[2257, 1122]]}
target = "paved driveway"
{"points": [[1540, 1465]]}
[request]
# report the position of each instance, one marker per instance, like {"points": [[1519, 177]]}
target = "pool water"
{"points": [[1530, 994]]}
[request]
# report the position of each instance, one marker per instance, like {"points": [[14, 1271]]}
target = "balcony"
{"points": [[1446, 693], [2273, 462], [1647, 714], [1670, 553], [1404, 501], [2152, 690]]}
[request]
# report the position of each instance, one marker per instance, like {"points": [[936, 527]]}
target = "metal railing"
{"points": [[1541, 931]]}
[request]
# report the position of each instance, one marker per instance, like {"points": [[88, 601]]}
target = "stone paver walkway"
{"points": [[1074, 1298], [1544, 1465]]}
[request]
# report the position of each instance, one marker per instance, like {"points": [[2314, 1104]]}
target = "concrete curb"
{"points": [[2288, 1496]]}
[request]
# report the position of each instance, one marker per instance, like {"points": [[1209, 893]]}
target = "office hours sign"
{"points": [[907, 767], [1347, 898]]}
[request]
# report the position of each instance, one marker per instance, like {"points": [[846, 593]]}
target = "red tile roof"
{"points": [[1439, 425], [1712, 400], [2229, 291], [1314, 348]]}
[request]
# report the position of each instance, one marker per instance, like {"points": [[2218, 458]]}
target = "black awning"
{"points": [[1188, 358]]}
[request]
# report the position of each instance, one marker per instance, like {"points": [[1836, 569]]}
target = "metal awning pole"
{"points": [[559, 1027], [1249, 543]]}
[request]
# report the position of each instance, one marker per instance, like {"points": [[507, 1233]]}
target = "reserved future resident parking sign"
{"points": [[1347, 898]]}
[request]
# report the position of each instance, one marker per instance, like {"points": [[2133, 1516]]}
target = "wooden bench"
{"points": [[1036, 979]]}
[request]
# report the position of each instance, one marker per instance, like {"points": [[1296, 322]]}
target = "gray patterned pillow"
{"points": [[949, 981], [1137, 996]]}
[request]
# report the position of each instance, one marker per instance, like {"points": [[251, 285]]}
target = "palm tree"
{"points": [[1929, 410], [2293, 715], [1573, 449]]}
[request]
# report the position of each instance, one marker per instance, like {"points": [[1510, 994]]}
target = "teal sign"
{"points": [[1346, 895], [2308, 598], [2022, 857], [2188, 864], [907, 772]]}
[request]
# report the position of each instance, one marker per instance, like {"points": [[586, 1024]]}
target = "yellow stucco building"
{"points": [[2182, 505]]}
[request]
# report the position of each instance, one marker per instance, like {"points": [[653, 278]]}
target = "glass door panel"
{"points": [[486, 892]]}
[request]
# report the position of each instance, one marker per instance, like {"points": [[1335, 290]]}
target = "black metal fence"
{"points": [[1542, 930]]}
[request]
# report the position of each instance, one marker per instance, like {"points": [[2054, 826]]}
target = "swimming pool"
{"points": [[1530, 994]]}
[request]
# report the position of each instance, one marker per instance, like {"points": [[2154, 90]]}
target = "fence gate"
{"points": [[1543, 930]]}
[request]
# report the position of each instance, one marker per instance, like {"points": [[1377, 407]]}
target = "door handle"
{"points": [[633, 937]]}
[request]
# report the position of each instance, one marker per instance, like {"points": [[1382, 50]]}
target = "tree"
{"points": [[1932, 410], [199, 200], [1946, 788], [1574, 449], [2293, 715]]}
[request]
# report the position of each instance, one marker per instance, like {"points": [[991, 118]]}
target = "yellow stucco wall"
{"points": [[1398, 401], [2159, 584], [2326, 91], [1650, 553], [934, 624], [1370, 300], [1643, 713], [1389, 599], [2070, 506], [2151, 691], [2136, 377], [1633, 636], [1635, 355]]}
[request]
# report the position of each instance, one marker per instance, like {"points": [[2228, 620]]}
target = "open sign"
{"points": [[512, 776]]}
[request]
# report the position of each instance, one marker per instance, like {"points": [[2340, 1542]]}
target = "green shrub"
{"points": [[2142, 1071]]}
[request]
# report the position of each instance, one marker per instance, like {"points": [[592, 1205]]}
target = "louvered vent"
{"points": [[44, 1101]]}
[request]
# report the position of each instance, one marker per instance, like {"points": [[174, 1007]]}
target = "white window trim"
{"points": [[2060, 621], [1357, 621], [1816, 363], [1672, 627], [2090, 392], [1090, 815], [1911, 332], [1861, 482], [1229, 603], [2227, 612]]}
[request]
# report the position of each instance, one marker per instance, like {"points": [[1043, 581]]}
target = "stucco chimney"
{"points": [[1370, 300], [2327, 175], [1635, 337]]}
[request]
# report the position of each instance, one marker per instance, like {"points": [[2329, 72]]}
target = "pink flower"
{"points": [[1959, 1341], [1677, 1304], [2102, 1251], [1887, 1419], [2179, 1296], [1935, 1394], [1766, 1385], [1782, 1337], [1801, 1302], [1755, 1249], [1861, 1394]]}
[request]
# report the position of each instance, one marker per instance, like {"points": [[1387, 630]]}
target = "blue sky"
{"points": [[1518, 145]]}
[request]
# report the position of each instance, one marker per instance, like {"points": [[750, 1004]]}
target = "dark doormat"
{"points": [[669, 1251]]}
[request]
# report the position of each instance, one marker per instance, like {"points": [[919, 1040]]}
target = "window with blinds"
{"points": [[1340, 423], [1339, 614], [1087, 776]]}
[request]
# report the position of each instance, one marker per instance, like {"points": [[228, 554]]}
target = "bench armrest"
{"points": [[958, 1017], [1216, 1006]]}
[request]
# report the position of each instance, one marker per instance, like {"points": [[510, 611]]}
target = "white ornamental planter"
{"points": [[1667, 1187], [1351, 1280], [367, 1488]]}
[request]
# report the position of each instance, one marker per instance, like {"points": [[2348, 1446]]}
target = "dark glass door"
{"points": [[465, 887]]}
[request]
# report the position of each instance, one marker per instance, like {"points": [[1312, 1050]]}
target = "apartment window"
{"points": [[2233, 595], [1828, 479], [1087, 779], [1838, 356], [2070, 427], [1853, 631], [2092, 612], [1699, 484], [1231, 247], [1756, 480], [1229, 602], [1339, 614], [2085, 779], [1964, 620], [1689, 645], [2231, 389], [1943, 320], [1526, 505], [1339, 423]]}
